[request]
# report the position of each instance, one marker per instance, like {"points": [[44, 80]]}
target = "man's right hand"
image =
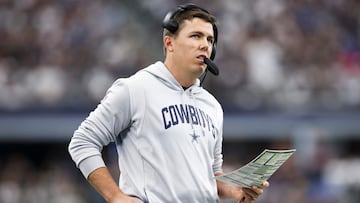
{"points": [[103, 182]]}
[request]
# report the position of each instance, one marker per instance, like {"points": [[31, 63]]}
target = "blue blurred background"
{"points": [[289, 78]]}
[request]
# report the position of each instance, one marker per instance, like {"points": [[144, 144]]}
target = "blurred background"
{"points": [[289, 78]]}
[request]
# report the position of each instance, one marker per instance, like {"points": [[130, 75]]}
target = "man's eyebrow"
{"points": [[202, 34], [197, 32]]}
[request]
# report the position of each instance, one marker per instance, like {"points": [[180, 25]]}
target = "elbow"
{"points": [[72, 149], [81, 147]]}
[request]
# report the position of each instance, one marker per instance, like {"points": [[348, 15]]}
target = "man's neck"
{"points": [[180, 75]]}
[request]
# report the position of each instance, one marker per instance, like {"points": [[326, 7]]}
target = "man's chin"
{"points": [[199, 71]]}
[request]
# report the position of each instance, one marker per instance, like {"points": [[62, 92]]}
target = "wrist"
{"points": [[116, 197]]}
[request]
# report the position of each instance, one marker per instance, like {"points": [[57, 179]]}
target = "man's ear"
{"points": [[168, 43]]}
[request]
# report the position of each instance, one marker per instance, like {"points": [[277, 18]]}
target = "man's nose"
{"points": [[205, 45]]}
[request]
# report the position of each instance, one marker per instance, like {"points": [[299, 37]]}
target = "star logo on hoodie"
{"points": [[194, 137]]}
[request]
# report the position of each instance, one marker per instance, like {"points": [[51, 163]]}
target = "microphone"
{"points": [[211, 66]]}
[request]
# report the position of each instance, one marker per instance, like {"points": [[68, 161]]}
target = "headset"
{"points": [[170, 24]]}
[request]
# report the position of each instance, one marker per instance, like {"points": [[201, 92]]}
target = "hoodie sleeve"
{"points": [[101, 127], [218, 160]]}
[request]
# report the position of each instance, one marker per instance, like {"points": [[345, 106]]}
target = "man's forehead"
{"points": [[197, 25]]}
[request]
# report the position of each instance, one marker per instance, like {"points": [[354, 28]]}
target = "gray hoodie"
{"points": [[169, 140]]}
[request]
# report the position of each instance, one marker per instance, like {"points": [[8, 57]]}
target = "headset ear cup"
{"points": [[170, 24]]}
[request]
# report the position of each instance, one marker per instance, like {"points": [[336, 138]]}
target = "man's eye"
{"points": [[195, 36]]}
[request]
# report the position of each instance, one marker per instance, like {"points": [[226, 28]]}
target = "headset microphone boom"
{"points": [[211, 66]]}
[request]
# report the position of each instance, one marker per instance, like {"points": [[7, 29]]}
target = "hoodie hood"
{"points": [[160, 71]]}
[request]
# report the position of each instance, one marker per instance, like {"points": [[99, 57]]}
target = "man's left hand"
{"points": [[249, 195]]}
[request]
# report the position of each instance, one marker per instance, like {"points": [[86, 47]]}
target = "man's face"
{"points": [[193, 42]]}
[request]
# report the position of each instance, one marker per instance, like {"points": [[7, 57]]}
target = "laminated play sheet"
{"points": [[258, 170]]}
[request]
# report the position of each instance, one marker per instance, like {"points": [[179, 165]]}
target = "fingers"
{"points": [[247, 199], [265, 184], [251, 194]]}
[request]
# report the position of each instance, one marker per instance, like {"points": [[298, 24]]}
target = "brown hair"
{"points": [[181, 16]]}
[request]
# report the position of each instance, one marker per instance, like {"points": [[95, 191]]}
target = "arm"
{"points": [[100, 128], [103, 182], [245, 195]]}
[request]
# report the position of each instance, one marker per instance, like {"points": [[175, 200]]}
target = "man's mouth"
{"points": [[201, 57]]}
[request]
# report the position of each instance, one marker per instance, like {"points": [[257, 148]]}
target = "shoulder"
{"points": [[144, 75], [134, 79]]}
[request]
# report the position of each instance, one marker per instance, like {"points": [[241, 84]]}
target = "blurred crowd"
{"points": [[292, 55], [282, 55], [37, 174], [44, 173], [67, 53]]}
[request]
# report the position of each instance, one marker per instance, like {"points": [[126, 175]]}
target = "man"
{"points": [[167, 128]]}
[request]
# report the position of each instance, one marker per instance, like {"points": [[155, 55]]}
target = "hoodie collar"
{"points": [[160, 71]]}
